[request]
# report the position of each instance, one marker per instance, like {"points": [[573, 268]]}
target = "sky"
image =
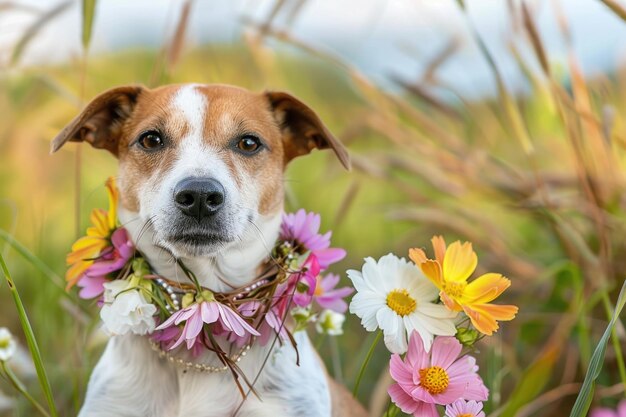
{"points": [[380, 37]]}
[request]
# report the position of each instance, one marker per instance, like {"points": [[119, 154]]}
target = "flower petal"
{"points": [[432, 270], [393, 329], [485, 317], [416, 355], [445, 351], [400, 371], [365, 305], [439, 246], [403, 400], [485, 288], [210, 312], [193, 326], [459, 262], [418, 256]]}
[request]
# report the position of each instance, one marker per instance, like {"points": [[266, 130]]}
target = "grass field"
{"points": [[536, 182]]}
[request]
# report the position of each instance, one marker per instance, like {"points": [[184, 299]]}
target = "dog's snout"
{"points": [[199, 197]]}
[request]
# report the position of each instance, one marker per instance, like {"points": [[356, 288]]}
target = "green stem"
{"points": [[30, 339], [365, 363], [17, 384], [615, 340]]}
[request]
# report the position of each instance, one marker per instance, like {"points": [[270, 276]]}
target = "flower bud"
{"points": [[466, 336]]}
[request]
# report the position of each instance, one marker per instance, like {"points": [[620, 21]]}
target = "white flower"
{"points": [[126, 309], [330, 323], [396, 297], [302, 316], [7, 344]]}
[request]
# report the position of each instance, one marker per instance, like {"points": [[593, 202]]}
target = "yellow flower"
{"points": [[89, 247], [450, 271]]}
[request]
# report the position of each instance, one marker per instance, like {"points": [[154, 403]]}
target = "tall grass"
{"points": [[535, 181]]}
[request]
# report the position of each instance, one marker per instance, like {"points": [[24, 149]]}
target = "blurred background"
{"points": [[495, 121]]}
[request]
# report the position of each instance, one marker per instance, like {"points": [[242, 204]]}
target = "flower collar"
{"points": [[106, 265]]}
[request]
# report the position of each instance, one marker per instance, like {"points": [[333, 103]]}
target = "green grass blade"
{"points": [[89, 10], [355, 391], [30, 339], [32, 259], [19, 387], [583, 402], [37, 263]]}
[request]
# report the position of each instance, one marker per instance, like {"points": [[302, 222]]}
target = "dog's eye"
{"points": [[249, 144], [150, 141]]}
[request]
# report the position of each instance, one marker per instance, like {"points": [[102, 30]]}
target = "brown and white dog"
{"points": [[201, 179]]}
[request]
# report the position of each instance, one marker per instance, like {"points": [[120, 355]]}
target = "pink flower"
{"points": [[91, 287], [304, 281], [270, 326], [327, 296], [607, 412], [303, 228], [439, 377], [199, 313], [112, 259], [167, 337], [462, 408]]}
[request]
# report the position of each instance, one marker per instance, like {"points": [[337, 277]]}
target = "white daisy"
{"points": [[393, 295]]}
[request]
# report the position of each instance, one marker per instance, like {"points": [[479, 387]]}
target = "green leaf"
{"points": [[89, 10], [583, 402]]}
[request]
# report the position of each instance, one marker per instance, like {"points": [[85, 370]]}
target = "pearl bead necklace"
{"points": [[198, 367]]}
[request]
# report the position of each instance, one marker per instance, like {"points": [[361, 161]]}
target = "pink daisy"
{"points": [[112, 259], [462, 408], [270, 325], [440, 377], [303, 228], [607, 412], [197, 314], [327, 296]]}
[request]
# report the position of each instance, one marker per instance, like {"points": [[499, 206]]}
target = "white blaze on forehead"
{"points": [[195, 157], [191, 105]]}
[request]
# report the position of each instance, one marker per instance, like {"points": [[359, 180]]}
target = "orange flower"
{"points": [[89, 247], [450, 271]]}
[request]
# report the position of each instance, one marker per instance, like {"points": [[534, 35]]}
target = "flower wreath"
{"points": [[133, 298]]}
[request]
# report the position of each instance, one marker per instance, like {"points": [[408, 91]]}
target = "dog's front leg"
{"points": [[130, 381]]}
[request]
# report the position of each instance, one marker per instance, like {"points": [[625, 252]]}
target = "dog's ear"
{"points": [[302, 129], [100, 123]]}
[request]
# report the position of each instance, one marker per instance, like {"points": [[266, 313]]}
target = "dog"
{"points": [[214, 154]]}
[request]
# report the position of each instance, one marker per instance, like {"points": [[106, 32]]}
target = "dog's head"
{"points": [[202, 164]]}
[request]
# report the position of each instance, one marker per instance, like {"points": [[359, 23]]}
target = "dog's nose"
{"points": [[199, 197]]}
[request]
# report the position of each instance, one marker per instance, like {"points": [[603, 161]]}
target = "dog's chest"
{"points": [[130, 380]]}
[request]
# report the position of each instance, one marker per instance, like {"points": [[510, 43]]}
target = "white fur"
{"points": [[131, 381]]}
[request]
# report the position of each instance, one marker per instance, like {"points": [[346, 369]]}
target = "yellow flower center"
{"points": [[454, 289], [401, 302], [466, 415], [4, 343], [434, 379]]}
